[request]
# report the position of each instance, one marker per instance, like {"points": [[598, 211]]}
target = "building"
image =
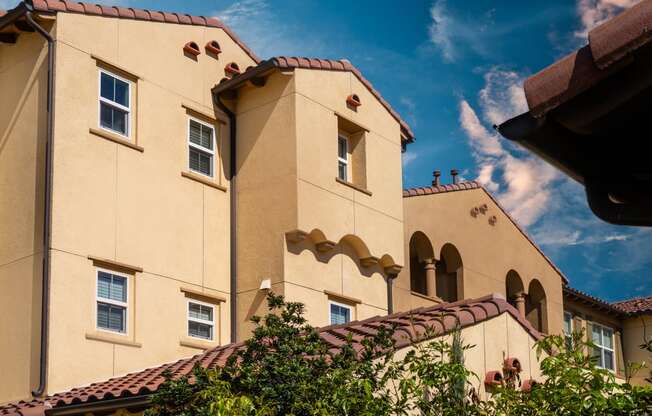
{"points": [[167, 205]]}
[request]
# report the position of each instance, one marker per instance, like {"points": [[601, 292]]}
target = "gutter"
{"points": [[131, 404], [233, 208], [47, 221]]}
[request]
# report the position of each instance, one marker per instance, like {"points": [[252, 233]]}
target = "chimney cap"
{"points": [[454, 173], [436, 174]]}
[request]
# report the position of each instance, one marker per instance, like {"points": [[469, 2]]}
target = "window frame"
{"points": [[189, 319], [340, 304], [113, 103], [211, 152], [346, 160], [112, 302], [602, 347], [571, 328]]}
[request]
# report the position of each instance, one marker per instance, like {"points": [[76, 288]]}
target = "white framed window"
{"points": [[343, 157], [568, 329], [201, 320], [114, 103], [603, 338], [112, 302], [201, 147], [339, 313]]}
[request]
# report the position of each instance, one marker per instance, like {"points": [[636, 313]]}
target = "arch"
{"points": [[356, 243], [535, 306], [515, 291], [420, 251], [449, 275]]}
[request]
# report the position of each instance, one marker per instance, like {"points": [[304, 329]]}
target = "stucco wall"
{"points": [[635, 331], [488, 252], [23, 82], [118, 203]]}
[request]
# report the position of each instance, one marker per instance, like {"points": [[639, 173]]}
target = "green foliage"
{"points": [[286, 369]]}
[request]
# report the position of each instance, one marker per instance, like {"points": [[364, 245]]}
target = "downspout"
{"points": [[233, 213], [47, 221], [390, 293]]}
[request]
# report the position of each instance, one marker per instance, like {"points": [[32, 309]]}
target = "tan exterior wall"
{"points": [[23, 115], [287, 157], [636, 331], [116, 202], [488, 252]]}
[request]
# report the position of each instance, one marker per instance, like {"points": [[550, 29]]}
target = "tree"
{"points": [[285, 368]]}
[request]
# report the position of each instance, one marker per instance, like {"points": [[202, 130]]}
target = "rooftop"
{"points": [[410, 328]]}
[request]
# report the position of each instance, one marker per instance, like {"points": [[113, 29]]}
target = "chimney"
{"points": [[436, 174], [454, 173]]}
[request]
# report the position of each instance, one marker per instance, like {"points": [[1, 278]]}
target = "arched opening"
{"points": [[449, 274], [421, 264], [535, 306], [515, 292]]}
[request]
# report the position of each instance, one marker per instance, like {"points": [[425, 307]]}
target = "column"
{"points": [[431, 277], [519, 300]]}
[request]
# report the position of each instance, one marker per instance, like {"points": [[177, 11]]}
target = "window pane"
{"points": [[103, 285], [107, 86], [341, 148], [102, 315], [195, 132], [121, 93], [207, 137], [340, 314], [596, 335], [200, 161], [567, 323], [597, 355], [607, 338], [113, 118], [111, 317], [199, 330], [119, 289], [608, 360], [341, 171], [197, 311]]}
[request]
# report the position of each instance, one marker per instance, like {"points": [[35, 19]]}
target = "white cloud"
{"points": [[258, 25], [502, 96], [441, 30], [410, 110], [408, 157], [594, 12]]}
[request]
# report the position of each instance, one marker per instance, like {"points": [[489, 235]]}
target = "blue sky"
{"points": [[453, 69]]}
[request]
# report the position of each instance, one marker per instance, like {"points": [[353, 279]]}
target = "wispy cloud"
{"points": [[262, 29], [408, 157], [594, 12]]}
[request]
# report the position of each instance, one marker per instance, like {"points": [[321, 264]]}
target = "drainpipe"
{"points": [[233, 212], [390, 293], [47, 221]]}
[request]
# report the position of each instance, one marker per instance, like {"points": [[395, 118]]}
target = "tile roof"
{"points": [[609, 44], [468, 185], [635, 306], [288, 62], [66, 6], [578, 295], [410, 327]]}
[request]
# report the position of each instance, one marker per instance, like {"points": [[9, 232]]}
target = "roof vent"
{"points": [[232, 69], [191, 48], [213, 48], [436, 174], [353, 101], [454, 173]]}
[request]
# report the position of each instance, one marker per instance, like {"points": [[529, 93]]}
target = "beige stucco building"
{"points": [[173, 181]]}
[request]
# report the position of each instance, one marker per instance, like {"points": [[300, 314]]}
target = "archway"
{"points": [[449, 274], [515, 292], [535, 306], [421, 264]]}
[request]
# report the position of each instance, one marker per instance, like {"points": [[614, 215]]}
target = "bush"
{"points": [[286, 369]]}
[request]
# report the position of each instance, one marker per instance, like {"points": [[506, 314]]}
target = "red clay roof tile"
{"points": [[635, 306], [411, 327], [58, 6]]}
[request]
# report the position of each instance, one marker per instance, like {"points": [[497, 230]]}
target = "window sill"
{"points": [[112, 339], [356, 187], [115, 139], [198, 344], [342, 298], [206, 181]]}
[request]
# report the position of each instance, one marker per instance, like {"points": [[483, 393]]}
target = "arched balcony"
{"points": [[434, 277], [535, 306]]}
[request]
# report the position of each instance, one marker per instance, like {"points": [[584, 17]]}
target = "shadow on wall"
{"points": [[435, 277], [531, 304]]}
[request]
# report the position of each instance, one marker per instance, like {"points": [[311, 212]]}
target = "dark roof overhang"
{"points": [[590, 116]]}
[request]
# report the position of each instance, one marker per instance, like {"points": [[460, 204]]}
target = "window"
{"points": [[201, 147], [340, 313], [604, 346], [115, 106], [111, 302], [343, 158], [201, 320], [568, 329]]}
